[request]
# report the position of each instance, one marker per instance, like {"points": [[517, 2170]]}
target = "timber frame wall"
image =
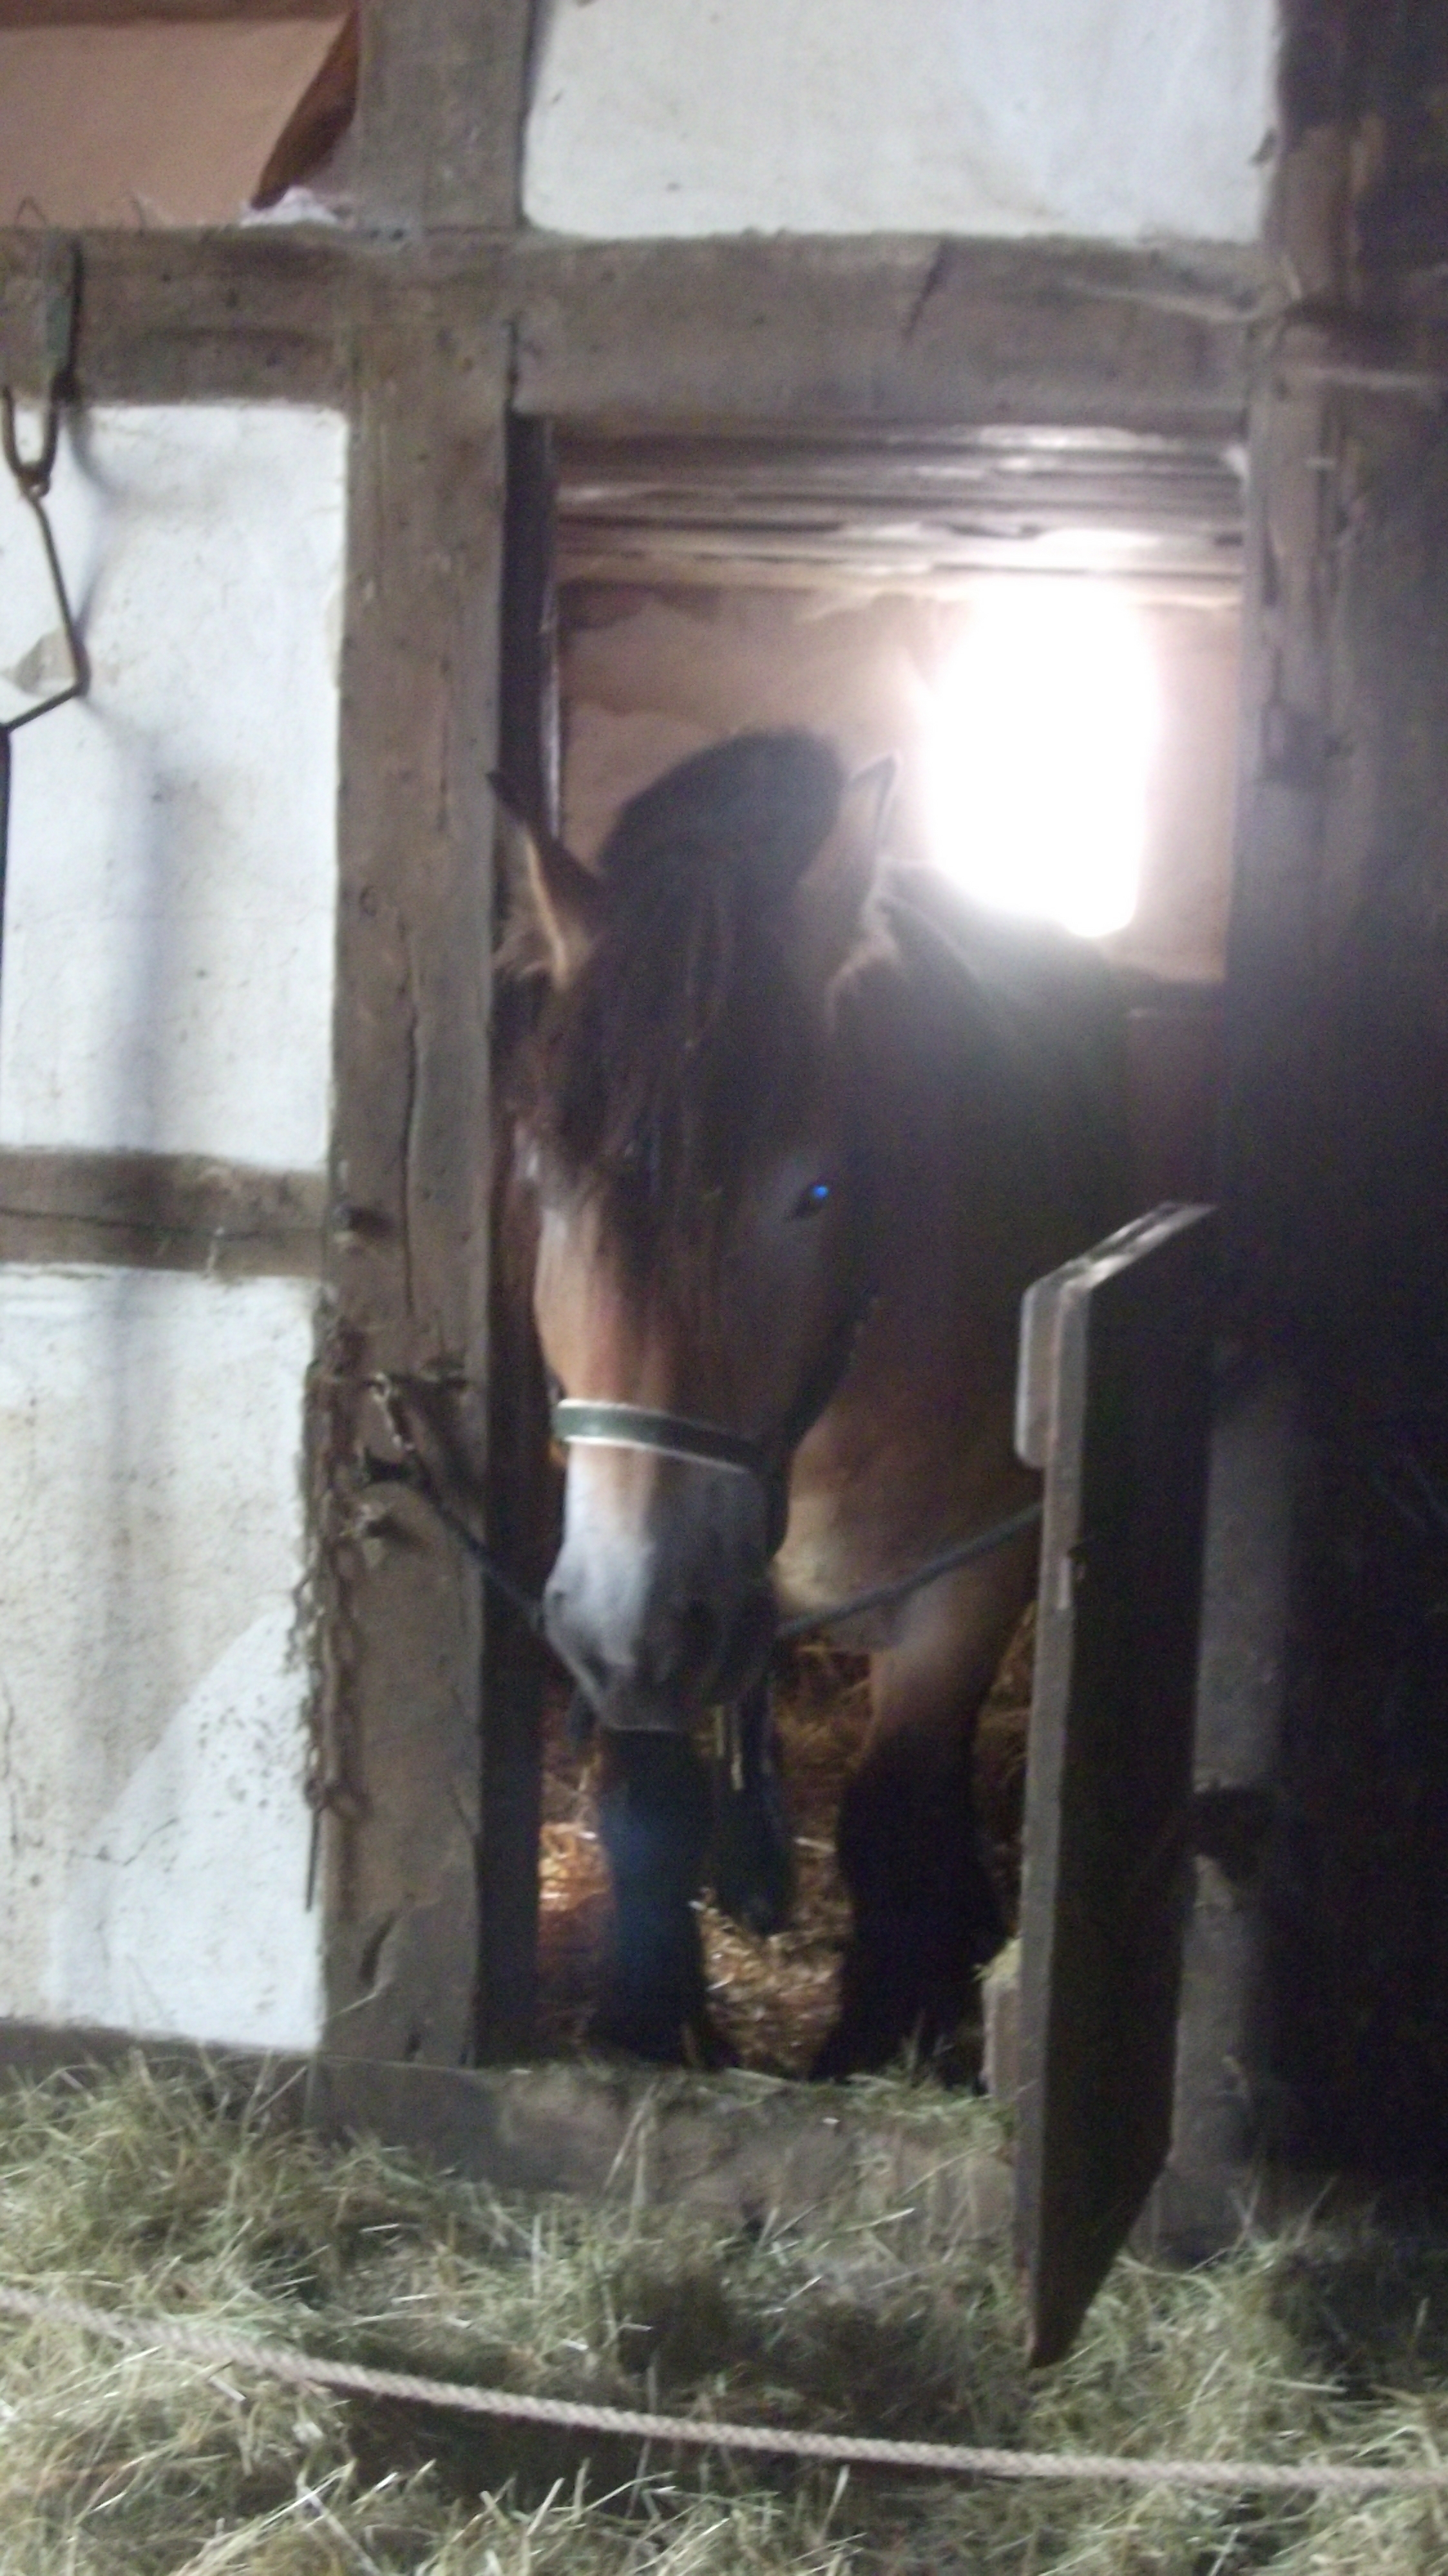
{"points": [[435, 324]]}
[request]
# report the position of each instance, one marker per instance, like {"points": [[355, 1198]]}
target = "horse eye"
{"points": [[812, 1199]]}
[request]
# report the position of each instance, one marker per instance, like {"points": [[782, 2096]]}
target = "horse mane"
{"points": [[675, 1053]]}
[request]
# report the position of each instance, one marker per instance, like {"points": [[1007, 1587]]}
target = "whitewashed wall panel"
{"points": [[153, 1829], [170, 916], [1107, 119]]}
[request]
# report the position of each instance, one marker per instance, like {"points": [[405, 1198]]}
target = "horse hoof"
{"points": [[707, 2050], [695, 2041]]}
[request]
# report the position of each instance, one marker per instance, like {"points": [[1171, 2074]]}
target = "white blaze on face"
{"points": [[662, 1563], [1040, 750]]}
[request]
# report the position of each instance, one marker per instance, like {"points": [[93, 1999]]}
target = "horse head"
{"points": [[683, 1130]]}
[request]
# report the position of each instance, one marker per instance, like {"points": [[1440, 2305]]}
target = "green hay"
{"points": [[152, 2192]]}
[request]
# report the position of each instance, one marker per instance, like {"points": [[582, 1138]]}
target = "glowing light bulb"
{"points": [[1038, 756]]}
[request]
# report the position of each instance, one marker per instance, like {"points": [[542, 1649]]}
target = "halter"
{"points": [[580, 1423]]}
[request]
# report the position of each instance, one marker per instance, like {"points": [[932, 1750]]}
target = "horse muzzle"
{"points": [[687, 1653], [660, 1603]]}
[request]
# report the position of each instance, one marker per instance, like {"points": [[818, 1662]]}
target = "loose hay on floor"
{"points": [[145, 2193]]}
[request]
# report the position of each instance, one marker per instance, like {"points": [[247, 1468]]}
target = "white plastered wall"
{"points": [[1120, 120], [167, 986]]}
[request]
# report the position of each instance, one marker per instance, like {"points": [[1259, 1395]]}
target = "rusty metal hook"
{"points": [[60, 274]]}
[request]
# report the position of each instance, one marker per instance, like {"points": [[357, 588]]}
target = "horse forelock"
{"points": [[683, 1043]]}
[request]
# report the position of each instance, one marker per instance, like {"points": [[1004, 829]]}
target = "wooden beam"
{"points": [[181, 13], [440, 111], [192, 317], [160, 1212], [1337, 1149], [409, 1268], [660, 335], [884, 329], [520, 1495]]}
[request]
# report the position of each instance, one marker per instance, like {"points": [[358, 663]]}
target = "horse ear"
{"points": [[833, 896], [559, 902]]}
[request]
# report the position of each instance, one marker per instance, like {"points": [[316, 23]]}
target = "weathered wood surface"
{"points": [[160, 1211], [893, 509], [885, 329], [735, 2152], [519, 1510], [1337, 1146], [1223, 2114], [440, 107], [401, 1612], [125, 13], [1114, 1404], [190, 317]]}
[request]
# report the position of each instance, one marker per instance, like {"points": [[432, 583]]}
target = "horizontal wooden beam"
{"points": [[132, 13], [244, 315], [599, 2132], [160, 1212], [883, 329], [672, 334]]}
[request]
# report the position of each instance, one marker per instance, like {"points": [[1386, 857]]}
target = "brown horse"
{"points": [[791, 1133]]}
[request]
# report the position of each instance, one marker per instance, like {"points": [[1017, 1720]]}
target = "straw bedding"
{"points": [[159, 2192]]}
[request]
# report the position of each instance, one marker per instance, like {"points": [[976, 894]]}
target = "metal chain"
{"points": [[844, 2450]]}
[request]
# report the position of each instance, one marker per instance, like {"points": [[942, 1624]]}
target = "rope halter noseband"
{"points": [[580, 1424]]}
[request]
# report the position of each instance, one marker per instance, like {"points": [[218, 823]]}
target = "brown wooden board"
{"points": [[159, 1211], [906, 509], [129, 13], [884, 329], [518, 1507], [440, 111], [1114, 1404], [399, 1615], [891, 330]]}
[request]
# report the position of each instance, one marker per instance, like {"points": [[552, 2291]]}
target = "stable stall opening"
{"points": [[1043, 627]]}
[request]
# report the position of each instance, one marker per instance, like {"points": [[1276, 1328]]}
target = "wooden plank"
{"points": [[884, 329], [409, 1272], [605, 2133], [264, 314], [182, 13], [33, 2051], [1126, 1332], [925, 511], [518, 1498], [160, 1211], [878, 330], [1337, 1149], [439, 130]]}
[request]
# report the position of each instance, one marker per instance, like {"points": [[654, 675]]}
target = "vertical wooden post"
{"points": [[1338, 1145], [409, 1270], [440, 113], [519, 1495], [438, 145]]}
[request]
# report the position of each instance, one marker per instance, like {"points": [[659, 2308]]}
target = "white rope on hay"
{"points": [[844, 2450]]}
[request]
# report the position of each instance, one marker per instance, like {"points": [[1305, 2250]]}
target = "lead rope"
{"points": [[411, 1472], [843, 2450]]}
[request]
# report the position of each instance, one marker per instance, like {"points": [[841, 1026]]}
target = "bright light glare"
{"points": [[1039, 753]]}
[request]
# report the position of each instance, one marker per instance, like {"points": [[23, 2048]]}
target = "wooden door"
{"points": [[1114, 1407]]}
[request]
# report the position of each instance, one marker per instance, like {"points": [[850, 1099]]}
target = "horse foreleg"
{"points": [[925, 1912], [751, 1860], [653, 1819]]}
